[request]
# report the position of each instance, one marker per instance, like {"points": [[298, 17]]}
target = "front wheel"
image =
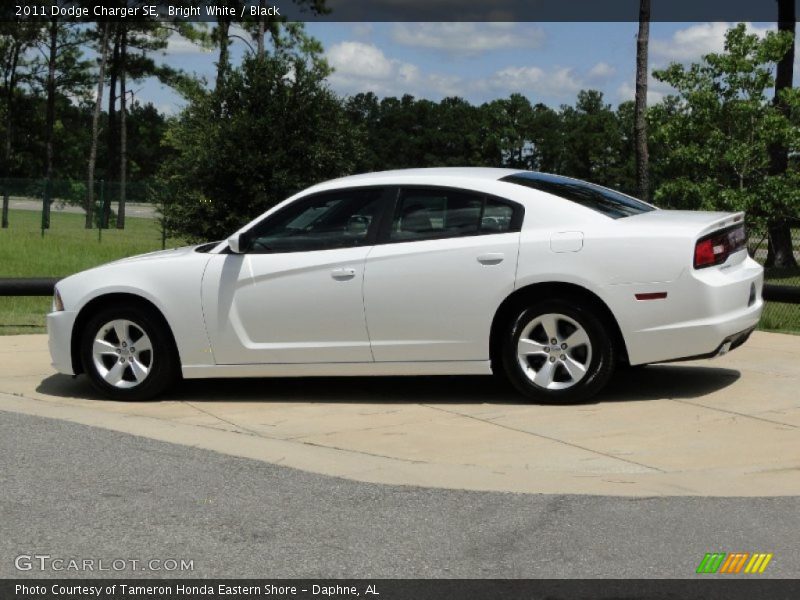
{"points": [[558, 352], [127, 354]]}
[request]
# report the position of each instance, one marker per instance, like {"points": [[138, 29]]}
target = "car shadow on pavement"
{"points": [[649, 383]]}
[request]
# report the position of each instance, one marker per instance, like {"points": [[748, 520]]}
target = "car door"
{"points": [[295, 295], [447, 261]]}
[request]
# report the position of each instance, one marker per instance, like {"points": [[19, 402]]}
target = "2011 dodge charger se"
{"points": [[547, 280]]}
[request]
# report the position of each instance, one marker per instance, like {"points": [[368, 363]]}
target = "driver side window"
{"points": [[340, 219]]}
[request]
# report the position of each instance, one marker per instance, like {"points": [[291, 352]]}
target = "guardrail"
{"points": [[37, 286], [781, 293], [43, 286]]}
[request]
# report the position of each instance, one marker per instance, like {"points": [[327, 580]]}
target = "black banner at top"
{"points": [[392, 10]]}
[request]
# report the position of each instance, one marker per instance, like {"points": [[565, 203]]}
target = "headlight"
{"points": [[58, 305]]}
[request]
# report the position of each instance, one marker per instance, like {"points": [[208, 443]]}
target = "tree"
{"points": [[779, 249], [15, 40], [511, 120], [143, 38], [66, 74], [103, 51], [640, 118], [715, 136], [283, 33], [591, 139], [277, 128]]}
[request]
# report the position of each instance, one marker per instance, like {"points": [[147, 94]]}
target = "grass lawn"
{"points": [[66, 248]]}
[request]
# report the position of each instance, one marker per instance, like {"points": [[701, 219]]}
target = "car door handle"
{"points": [[493, 258], [343, 273]]}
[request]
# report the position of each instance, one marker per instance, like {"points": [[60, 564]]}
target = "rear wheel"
{"points": [[558, 352], [127, 354]]}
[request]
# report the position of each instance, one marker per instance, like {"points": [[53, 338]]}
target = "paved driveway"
{"points": [[728, 427]]}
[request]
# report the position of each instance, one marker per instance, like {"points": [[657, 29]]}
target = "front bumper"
{"points": [[59, 340]]}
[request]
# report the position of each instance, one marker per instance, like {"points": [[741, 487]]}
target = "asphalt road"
{"points": [[132, 209], [71, 491]]}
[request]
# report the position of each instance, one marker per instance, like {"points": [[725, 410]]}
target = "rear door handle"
{"points": [[343, 273], [492, 258]]}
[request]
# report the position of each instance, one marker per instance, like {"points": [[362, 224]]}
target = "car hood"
{"points": [[159, 254]]}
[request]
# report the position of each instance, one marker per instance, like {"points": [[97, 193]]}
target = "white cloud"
{"points": [[177, 44], [467, 38], [359, 67], [360, 59], [655, 91], [533, 81], [692, 43], [362, 30], [601, 70]]}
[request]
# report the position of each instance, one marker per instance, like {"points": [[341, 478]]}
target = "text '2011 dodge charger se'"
{"points": [[548, 280]]}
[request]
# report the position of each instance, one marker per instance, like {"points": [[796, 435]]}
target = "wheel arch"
{"points": [[528, 294], [108, 300]]}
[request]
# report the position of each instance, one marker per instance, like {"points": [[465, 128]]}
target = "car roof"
{"points": [[484, 173]]}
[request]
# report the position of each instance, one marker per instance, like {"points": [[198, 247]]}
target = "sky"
{"points": [[547, 62]]}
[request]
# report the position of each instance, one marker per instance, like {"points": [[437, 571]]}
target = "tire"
{"points": [[116, 367], [557, 373]]}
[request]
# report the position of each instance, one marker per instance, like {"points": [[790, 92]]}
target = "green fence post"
{"points": [[105, 203], [102, 221], [6, 201], [45, 206]]}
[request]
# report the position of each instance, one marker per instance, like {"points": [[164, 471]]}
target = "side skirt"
{"points": [[472, 367]]}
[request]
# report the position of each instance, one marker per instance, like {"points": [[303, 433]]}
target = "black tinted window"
{"points": [[437, 213], [337, 220], [603, 200]]}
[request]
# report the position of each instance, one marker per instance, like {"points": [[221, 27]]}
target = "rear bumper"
{"points": [[59, 340], [729, 343], [706, 312]]}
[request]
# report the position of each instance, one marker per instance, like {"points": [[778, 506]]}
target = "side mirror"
{"points": [[239, 243]]}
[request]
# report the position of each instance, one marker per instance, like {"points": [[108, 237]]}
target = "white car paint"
{"points": [[425, 307]]}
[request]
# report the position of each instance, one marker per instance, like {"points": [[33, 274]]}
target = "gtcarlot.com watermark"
{"points": [[46, 562]]}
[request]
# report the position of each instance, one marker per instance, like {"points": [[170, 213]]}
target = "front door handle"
{"points": [[493, 258], [343, 273]]}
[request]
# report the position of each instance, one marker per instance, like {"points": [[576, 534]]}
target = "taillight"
{"points": [[715, 248]]}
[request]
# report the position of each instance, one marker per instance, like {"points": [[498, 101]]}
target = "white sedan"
{"points": [[549, 281]]}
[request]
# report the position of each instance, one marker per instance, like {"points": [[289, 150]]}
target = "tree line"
{"points": [[270, 126]]}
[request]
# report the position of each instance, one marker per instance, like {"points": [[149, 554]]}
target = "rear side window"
{"points": [[441, 213], [596, 197]]}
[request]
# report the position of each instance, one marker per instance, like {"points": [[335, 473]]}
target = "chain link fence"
{"points": [[778, 316], [69, 197]]}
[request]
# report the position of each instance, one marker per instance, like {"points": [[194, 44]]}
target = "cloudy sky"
{"points": [[547, 62]]}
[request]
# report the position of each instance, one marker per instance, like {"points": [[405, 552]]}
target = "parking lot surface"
{"points": [[727, 427]]}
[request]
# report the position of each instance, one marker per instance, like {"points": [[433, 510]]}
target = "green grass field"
{"points": [[67, 248]]}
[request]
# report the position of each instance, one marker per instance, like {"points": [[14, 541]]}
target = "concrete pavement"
{"points": [[73, 492], [728, 427]]}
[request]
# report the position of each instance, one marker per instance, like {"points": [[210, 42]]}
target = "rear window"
{"points": [[603, 200]]}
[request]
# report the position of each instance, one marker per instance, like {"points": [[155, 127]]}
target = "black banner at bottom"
{"points": [[400, 589]]}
